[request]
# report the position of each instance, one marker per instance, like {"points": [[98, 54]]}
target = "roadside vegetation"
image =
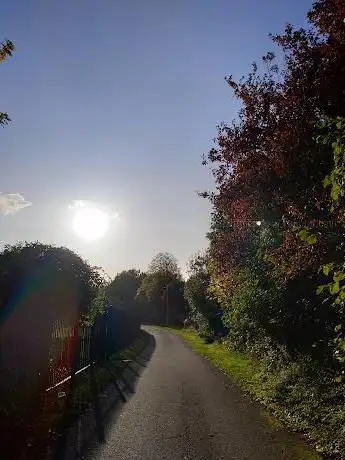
{"points": [[271, 282], [105, 375], [270, 286], [89, 385], [295, 399], [63, 341]]}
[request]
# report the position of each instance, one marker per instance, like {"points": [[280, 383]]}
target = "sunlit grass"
{"points": [[238, 366]]}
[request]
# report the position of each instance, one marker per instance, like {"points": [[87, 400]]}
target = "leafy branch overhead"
{"points": [[6, 50]]}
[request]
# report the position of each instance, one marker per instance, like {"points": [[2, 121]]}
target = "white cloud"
{"points": [[10, 203]]}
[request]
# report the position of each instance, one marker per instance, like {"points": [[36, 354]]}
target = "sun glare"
{"points": [[90, 223]]}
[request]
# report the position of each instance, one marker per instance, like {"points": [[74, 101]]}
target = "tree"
{"points": [[164, 262], [41, 288], [204, 310], [267, 165], [6, 50], [162, 271], [125, 285], [268, 168], [46, 267], [162, 287], [122, 292]]}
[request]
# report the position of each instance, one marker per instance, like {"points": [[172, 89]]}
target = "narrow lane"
{"points": [[183, 408]]}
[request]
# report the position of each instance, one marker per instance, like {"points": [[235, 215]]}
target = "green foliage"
{"points": [[43, 267], [125, 285], [122, 291], [41, 288], [269, 167], [164, 262], [161, 289], [300, 394], [307, 236], [332, 133], [97, 307], [255, 308], [281, 163], [204, 311], [153, 286]]}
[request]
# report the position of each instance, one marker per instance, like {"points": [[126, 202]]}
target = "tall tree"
{"points": [[269, 169], [164, 262], [267, 166], [163, 288], [122, 291]]}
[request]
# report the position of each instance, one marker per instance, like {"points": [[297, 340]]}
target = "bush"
{"points": [[40, 286], [204, 311], [254, 309]]}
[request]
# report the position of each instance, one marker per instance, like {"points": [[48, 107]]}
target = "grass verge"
{"points": [[240, 367], [248, 373]]}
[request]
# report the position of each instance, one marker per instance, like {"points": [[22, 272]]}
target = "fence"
{"points": [[66, 387]]}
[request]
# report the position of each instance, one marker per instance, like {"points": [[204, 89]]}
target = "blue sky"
{"points": [[115, 101]]}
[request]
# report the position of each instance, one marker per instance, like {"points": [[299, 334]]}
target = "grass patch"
{"points": [[252, 376], [240, 367]]}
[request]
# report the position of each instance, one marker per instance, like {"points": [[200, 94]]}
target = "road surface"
{"points": [[185, 409]]}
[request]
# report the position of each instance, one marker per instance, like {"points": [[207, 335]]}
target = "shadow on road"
{"points": [[92, 427]]}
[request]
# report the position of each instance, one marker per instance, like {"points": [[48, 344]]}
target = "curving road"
{"points": [[185, 409]]}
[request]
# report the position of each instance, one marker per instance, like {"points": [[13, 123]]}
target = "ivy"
{"points": [[333, 134], [309, 237]]}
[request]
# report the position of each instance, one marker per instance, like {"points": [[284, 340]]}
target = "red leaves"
{"points": [[328, 16], [267, 165], [295, 255]]}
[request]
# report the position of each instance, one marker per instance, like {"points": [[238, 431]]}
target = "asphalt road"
{"points": [[184, 408]]}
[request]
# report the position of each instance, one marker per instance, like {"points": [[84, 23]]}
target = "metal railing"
{"points": [[67, 386]]}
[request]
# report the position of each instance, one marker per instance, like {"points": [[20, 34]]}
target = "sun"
{"points": [[90, 223]]}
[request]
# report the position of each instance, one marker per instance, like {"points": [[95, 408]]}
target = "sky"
{"points": [[115, 102]]}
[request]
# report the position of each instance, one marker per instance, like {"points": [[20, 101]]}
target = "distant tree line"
{"points": [[153, 297]]}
